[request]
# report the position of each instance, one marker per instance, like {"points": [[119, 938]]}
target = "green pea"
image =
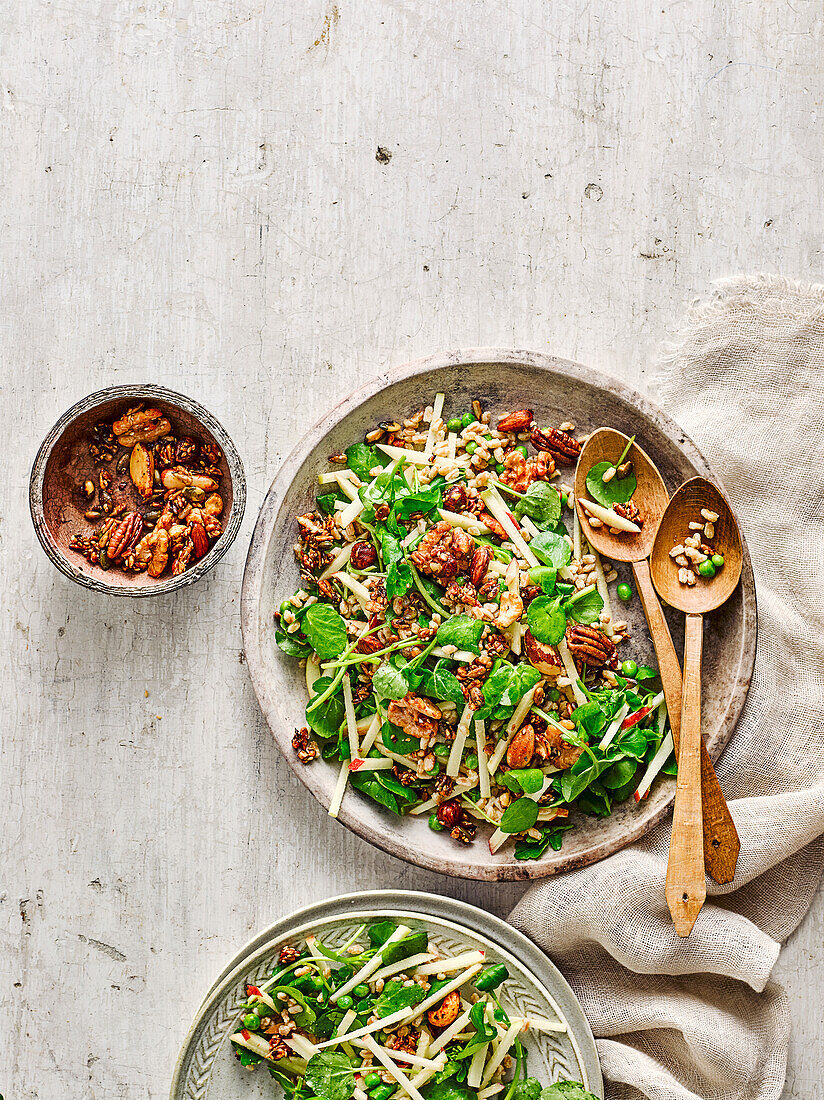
{"points": [[491, 977], [442, 751], [361, 990], [472, 761], [523, 449], [471, 447], [371, 1080], [382, 1093], [629, 668], [453, 425], [467, 419], [251, 1021], [706, 568], [345, 1002], [499, 467], [717, 560], [624, 592], [435, 825]]}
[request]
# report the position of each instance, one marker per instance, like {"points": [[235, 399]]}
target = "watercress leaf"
{"points": [[522, 679], [528, 1089], [443, 684], [394, 786], [380, 932], [291, 644], [552, 836], [397, 995], [546, 619], [396, 740], [645, 673], [448, 1090], [425, 500], [389, 682], [413, 943], [247, 1057], [462, 631], [326, 503], [367, 784], [330, 1075], [362, 459], [585, 609], [545, 577], [595, 801], [567, 1090], [497, 682], [398, 571], [477, 1017], [523, 780], [552, 549], [589, 717], [542, 502], [621, 772], [326, 719], [519, 815], [634, 742], [307, 1015], [583, 772], [325, 630], [613, 492]]}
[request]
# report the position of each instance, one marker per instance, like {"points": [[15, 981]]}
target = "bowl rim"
{"points": [[386, 838], [420, 905], [139, 391]]}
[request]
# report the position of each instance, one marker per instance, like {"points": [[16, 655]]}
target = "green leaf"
{"points": [[307, 1016], [551, 549], [325, 630], [448, 1090], [645, 673], [545, 577], [326, 719], [397, 995], [362, 459], [290, 644], [552, 836], [379, 933], [247, 1057], [528, 1089], [367, 784], [330, 1075], [621, 773], [326, 503], [396, 740], [583, 772], [442, 684], [411, 944], [462, 631], [523, 780], [546, 619], [426, 501], [389, 682], [585, 608], [542, 502], [567, 1090], [519, 815], [614, 491]]}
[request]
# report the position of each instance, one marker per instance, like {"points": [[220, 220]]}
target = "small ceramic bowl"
{"points": [[63, 463]]}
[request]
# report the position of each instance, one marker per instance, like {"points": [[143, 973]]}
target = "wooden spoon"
{"points": [[686, 885], [721, 843]]}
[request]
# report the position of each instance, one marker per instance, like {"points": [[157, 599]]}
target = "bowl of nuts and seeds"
{"points": [[136, 490]]}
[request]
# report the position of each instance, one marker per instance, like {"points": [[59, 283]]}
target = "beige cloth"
{"points": [[700, 1017]]}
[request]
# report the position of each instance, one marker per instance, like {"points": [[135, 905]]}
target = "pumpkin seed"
{"points": [[105, 561], [193, 493]]}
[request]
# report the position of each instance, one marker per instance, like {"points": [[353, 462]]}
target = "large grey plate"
{"points": [[207, 1070], [557, 390]]}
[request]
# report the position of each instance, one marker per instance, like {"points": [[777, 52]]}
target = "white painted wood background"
{"points": [[191, 195]]}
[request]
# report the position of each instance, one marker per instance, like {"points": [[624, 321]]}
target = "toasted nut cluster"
{"points": [[563, 447], [158, 496], [444, 551], [589, 646]]}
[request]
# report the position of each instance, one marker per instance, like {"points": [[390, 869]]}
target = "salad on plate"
{"points": [[386, 1016], [459, 635]]}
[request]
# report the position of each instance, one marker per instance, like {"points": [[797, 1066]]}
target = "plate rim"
{"points": [[425, 906], [385, 838]]}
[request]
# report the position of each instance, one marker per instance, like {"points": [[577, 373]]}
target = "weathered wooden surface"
{"points": [[191, 195]]}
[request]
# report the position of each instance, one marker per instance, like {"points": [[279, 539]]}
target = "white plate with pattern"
{"points": [[208, 1070]]}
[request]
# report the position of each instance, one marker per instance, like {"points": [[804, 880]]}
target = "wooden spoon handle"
{"points": [[721, 843], [686, 886]]}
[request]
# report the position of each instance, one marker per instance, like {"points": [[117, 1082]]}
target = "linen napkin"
{"points": [[676, 1019]]}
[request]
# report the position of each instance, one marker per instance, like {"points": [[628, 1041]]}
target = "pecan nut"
{"points": [[447, 1011], [522, 747], [518, 421], [124, 536], [563, 447], [480, 563], [416, 716], [455, 498], [363, 555], [589, 646], [629, 511], [443, 552]]}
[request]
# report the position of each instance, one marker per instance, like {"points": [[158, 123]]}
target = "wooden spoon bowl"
{"points": [[651, 496], [685, 506]]}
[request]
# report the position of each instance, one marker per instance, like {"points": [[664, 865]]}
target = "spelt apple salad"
{"points": [[458, 634], [386, 1016]]}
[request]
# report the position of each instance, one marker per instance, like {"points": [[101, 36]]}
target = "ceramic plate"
{"points": [[208, 1070], [557, 390]]}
